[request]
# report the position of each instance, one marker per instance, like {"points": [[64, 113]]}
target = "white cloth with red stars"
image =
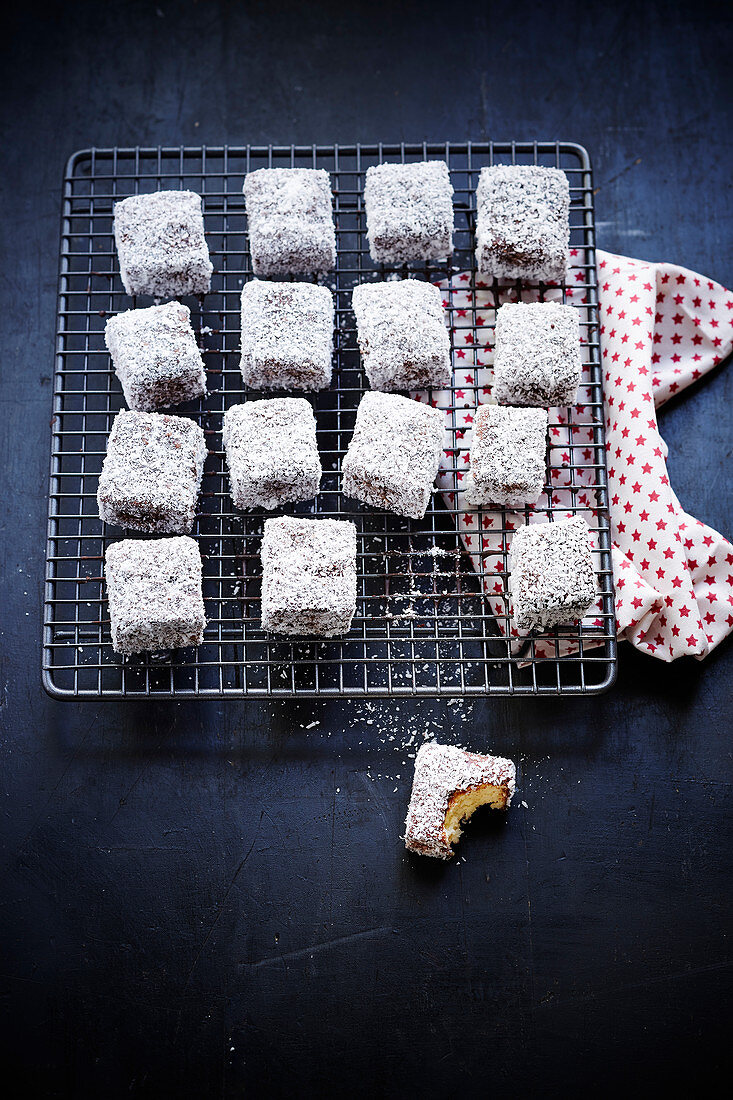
{"points": [[662, 328]]}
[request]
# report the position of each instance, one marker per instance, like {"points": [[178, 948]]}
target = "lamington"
{"points": [[271, 452], [409, 212], [552, 580], [287, 336], [537, 358], [522, 223], [156, 357], [152, 471], [507, 456], [155, 594], [290, 218], [161, 244], [308, 576], [394, 454], [448, 785], [402, 335]]}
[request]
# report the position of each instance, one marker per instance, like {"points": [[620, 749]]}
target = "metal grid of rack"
{"points": [[423, 626]]}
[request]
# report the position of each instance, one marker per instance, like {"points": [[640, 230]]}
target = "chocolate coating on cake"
{"points": [[394, 454], [308, 576], [552, 580], [522, 225], [290, 218], [402, 335], [287, 336], [155, 595], [507, 456], [156, 357], [442, 772], [152, 473], [271, 452], [161, 244], [537, 360], [409, 209]]}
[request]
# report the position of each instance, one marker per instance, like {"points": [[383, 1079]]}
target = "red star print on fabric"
{"points": [[662, 336], [680, 323]]}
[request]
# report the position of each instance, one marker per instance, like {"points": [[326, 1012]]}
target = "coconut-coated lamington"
{"points": [[152, 473], [394, 454], [537, 359], [308, 576], [402, 335], [287, 335], [409, 211], [271, 452], [552, 580], [156, 357], [448, 785], [161, 244], [155, 594], [522, 223], [290, 218], [507, 456]]}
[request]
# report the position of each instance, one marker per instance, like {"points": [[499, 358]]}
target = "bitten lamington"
{"points": [[522, 224], [287, 336], [402, 335], [152, 473], [507, 456], [271, 452], [291, 230], [308, 576], [537, 358], [394, 454], [161, 244], [409, 210], [156, 357], [552, 580], [155, 594], [448, 785]]}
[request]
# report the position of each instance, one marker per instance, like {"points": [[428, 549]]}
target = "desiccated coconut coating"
{"points": [[308, 576], [507, 456], [152, 473], [155, 596], [394, 454], [271, 452], [161, 244], [409, 210], [522, 224], [552, 580], [287, 336], [155, 356], [291, 230], [402, 335], [443, 772], [537, 356]]}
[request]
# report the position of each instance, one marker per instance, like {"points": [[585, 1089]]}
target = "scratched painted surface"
{"points": [[211, 900]]}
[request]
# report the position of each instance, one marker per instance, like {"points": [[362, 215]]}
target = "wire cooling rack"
{"points": [[422, 625]]}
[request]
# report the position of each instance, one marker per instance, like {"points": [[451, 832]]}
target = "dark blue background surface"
{"points": [[209, 900]]}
